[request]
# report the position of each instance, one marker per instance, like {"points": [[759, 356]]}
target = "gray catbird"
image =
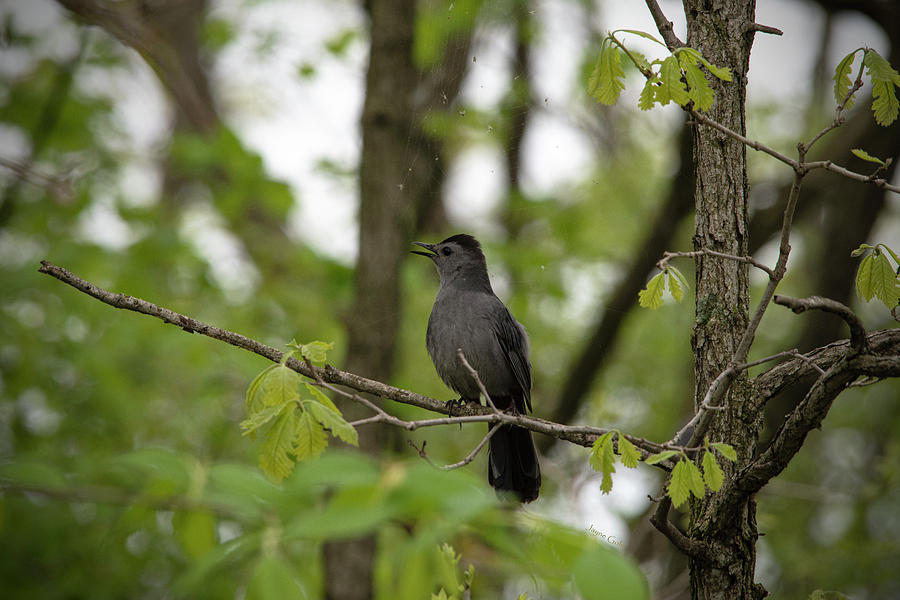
{"points": [[468, 316]]}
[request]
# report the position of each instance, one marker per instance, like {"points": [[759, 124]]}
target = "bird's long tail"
{"points": [[513, 463]]}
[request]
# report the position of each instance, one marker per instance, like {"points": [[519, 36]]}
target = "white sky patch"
{"points": [[222, 251], [101, 224], [474, 185]]}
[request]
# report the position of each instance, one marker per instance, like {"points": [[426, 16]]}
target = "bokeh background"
{"points": [[230, 160]]}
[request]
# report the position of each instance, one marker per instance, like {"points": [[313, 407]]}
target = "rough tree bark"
{"points": [[723, 32], [400, 180], [386, 218]]}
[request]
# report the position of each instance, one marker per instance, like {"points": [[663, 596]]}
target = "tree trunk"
{"points": [[722, 31], [386, 220]]}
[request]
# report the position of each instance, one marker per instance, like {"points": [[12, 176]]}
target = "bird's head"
{"points": [[458, 256]]}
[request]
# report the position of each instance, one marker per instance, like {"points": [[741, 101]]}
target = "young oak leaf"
{"points": [[648, 94], [259, 419], [630, 455], [672, 87], [273, 387], [605, 82], [651, 296], [885, 105], [877, 278], [674, 287], [679, 488], [712, 472], [278, 443], [603, 459], [700, 92], [659, 457], [309, 437], [695, 479], [725, 450], [332, 419], [841, 79], [316, 351], [860, 153]]}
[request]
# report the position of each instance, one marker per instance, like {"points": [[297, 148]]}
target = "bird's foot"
{"points": [[457, 404]]}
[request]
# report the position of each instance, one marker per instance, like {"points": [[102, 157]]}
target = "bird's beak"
{"points": [[429, 247]]}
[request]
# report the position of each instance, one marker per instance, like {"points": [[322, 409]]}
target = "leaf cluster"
{"points": [[883, 78], [877, 276], [669, 278], [686, 477], [292, 425], [678, 78]]}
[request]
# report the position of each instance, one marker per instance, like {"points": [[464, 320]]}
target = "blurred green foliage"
{"points": [[125, 470]]}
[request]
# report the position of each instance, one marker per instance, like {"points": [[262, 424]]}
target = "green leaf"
{"points": [[891, 252], [332, 419], [688, 55], [258, 419], [648, 94], [712, 472], [700, 92], [674, 287], [671, 87], [603, 459], [698, 487], [651, 296], [254, 400], [861, 250], [879, 68], [310, 439], [642, 34], [841, 78], [605, 82], [860, 153], [273, 579], [677, 273], [725, 450], [877, 278], [322, 397], [680, 483], [721, 73], [278, 442], [630, 455], [274, 386], [884, 102], [659, 457], [317, 351]]}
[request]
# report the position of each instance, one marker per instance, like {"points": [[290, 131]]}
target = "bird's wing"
{"points": [[514, 343]]}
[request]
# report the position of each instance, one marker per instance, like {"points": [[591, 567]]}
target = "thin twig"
{"points": [[474, 374], [667, 256], [471, 456]]}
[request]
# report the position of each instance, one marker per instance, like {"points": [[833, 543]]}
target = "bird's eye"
{"points": [[446, 251]]}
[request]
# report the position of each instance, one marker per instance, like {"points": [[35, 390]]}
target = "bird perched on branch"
{"points": [[468, 316]]}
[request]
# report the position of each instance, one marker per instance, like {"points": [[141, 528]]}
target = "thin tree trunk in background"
{"points": [[386, 219], [722, 31]]}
